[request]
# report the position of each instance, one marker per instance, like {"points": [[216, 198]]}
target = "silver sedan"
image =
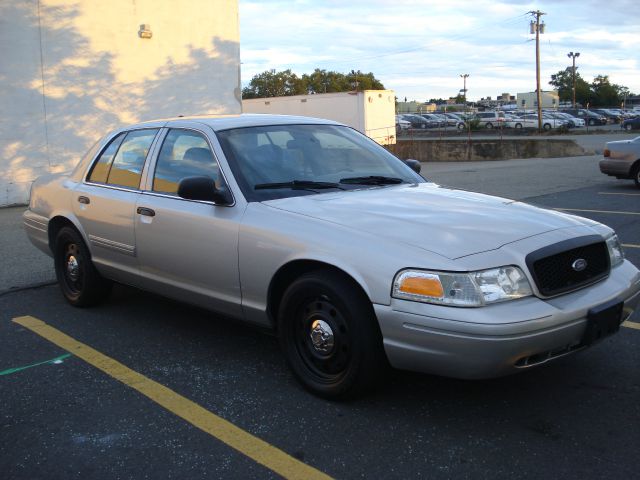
{"points": [[309, 228]]}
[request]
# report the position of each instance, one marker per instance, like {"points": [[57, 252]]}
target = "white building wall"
{"points": [[529, 100], [71, 70]]}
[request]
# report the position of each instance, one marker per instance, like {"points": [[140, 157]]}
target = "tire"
{"points": [[489, 126], [461, 126], [80, 282], [518, 126], [330, 336], [636, 174], [547, 126], [592, 122], [628, 127]]}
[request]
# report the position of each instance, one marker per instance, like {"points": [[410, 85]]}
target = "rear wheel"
{"points": [[592, 122], [80, 282], [329, 335], [489, 126], [518, 126], [547, 126], [628, 127]]}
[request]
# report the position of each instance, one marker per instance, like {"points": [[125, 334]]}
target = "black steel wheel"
{"points": [[330, 336], [80, 282], [636, 174]]}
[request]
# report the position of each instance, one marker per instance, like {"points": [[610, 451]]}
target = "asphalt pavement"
{"points": [[151, 382]]}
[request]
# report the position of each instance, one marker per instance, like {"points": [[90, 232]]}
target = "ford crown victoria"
{"points": [[311, 229]]}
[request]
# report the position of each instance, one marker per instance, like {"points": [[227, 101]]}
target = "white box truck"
{"points": [[372, 112]]}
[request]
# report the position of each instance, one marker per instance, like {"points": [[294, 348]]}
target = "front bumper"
{"points": [[500, 339]]}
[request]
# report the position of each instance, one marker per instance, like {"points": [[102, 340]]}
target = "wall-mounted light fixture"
{"points": [[145, 31]]}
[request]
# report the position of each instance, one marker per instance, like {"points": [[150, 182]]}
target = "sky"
{"points": [[420, 48]]}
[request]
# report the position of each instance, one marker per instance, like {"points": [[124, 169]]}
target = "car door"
{"points": [[105, 203], [188, 249]]}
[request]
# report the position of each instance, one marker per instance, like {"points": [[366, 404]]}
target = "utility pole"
{"points": [[538, 28], [574, 56]]}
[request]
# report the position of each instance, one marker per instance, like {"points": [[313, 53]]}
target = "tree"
{"points": [[604, 93], [285, 83], [321, 81], [563, 82], [274, 84]]}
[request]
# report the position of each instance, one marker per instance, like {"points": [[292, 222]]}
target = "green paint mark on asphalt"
{"points": [[18, 369]]}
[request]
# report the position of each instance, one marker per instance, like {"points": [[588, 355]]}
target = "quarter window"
{"points": [[127, 165], [184, 153], [100, 170]]}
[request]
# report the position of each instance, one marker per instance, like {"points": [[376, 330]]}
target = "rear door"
{"points": [[105, 203]]}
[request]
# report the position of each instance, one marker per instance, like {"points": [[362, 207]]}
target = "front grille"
{"points": [[553, 267]]}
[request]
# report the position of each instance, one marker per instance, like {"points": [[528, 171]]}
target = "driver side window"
{"points": [[184, 153]]}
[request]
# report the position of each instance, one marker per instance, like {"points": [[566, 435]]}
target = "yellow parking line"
{"points": [[253, 447], [596, 211], [629, 324], [630, 245], [619, 193]]}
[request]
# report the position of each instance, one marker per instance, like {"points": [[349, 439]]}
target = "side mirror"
{"points": [[203, 188], [413, 164]]}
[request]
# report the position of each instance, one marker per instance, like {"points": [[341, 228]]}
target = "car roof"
{"points": [[224, 122]]}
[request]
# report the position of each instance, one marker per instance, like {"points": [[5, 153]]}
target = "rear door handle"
{"points": [[83, 199], [146, 211]]}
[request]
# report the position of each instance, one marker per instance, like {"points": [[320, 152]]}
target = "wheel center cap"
{"points": [[73, 269], [321, 336]]}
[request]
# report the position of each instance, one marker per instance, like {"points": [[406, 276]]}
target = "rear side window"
{"points": [[127, 165], [100, 170], [184, 153]]}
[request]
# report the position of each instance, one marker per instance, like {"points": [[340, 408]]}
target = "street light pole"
{"points": [[464, 88], [538, 28], [574, 56]]}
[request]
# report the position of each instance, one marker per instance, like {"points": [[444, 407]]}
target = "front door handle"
{"points": [[84, 200], [146, 211]]}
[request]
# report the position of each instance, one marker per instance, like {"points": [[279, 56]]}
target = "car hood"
{"points": [[451, 223]]}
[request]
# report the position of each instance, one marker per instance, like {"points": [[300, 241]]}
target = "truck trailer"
{"points": [[371, 112]]}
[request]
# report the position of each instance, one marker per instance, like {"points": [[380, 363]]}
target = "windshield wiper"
{"points": [[372, 180], [298, 185]]}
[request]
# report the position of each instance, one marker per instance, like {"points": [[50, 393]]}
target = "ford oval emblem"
{"points": [[579, 265]]}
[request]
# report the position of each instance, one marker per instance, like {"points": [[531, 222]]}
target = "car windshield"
{"points": [[278, 161]]}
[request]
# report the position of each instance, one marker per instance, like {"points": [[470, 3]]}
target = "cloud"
{"points": [[419, 48]]}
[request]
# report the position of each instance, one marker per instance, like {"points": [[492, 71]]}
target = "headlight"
{"points": [[616, 255], [472, 289]]}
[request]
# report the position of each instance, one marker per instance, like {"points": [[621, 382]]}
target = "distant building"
{"points": [[548, 99], [72, 70]]}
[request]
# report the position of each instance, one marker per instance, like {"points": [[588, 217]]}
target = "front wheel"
{"points": [[80, 282], [518, 126], [636, 175], [329, 335], [547, 126], [489, 126], [592, 122], [628, 127]]}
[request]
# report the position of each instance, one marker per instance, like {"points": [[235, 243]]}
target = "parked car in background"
{"points": [[312, 230], [455, 120], [591, 118], [610, 115], [518, 123], [433, 120], [547, 122], [631, 124], [490, 120], [416, 121], [622, 160], [572, 122], [402, 126]]}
